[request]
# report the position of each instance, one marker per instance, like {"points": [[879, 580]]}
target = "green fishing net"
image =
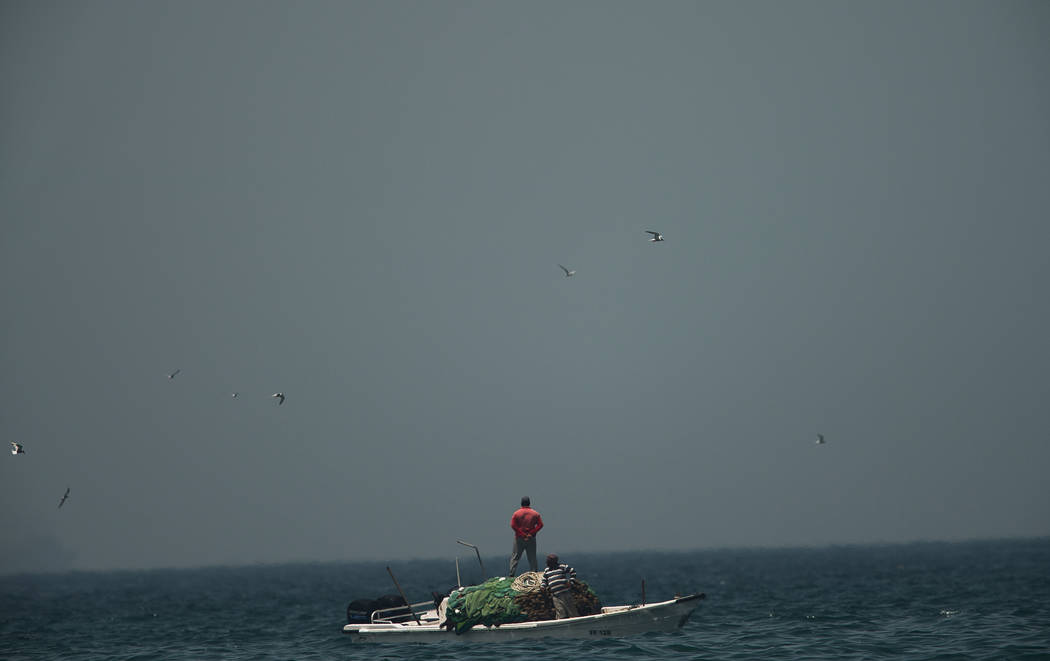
{"points": [[490, 603], [496, 601]]}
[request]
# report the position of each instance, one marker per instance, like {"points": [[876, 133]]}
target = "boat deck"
{"points": [[612, 622]]}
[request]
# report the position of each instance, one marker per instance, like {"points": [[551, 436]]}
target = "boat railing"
{"points": [[399, 614]]}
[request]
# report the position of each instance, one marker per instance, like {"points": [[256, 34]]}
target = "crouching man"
{"points": [[557, 579]]}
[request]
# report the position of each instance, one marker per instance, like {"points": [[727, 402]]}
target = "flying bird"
{"points": [[16, 448], [280, 397], [568, 273], [172, 375], [820, 439], [64, 496], [656, 236], [234, 394]]}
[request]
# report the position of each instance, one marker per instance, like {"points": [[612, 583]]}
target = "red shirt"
{"points": [[526, 522]]}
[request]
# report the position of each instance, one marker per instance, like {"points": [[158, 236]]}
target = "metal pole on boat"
{"points": [[399, 591], [459, 581], [460, 541], [643, 591]]}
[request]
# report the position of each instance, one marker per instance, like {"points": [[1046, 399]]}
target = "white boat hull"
{"points": [[612, 622]]}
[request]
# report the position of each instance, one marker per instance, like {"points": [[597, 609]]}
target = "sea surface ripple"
{"points": [[967, 600]]}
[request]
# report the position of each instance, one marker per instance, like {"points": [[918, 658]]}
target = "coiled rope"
{"points": [[528, 582]]}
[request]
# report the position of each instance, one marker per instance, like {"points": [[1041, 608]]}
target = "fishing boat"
{"points": [[423, 624]]}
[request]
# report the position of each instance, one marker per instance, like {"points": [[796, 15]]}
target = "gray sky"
{"points": [[363, 205]]}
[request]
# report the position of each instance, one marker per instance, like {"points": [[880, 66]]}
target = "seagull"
{"points": [[820, 439], [16, 448], [279, 396], [656, 236], [172, 375], [64, 496], [568, 273], [234, 394]]}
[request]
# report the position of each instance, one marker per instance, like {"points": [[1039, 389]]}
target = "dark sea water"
{"points": [[972, 600]]}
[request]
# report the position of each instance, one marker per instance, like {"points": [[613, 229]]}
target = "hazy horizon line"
{"points": [[436, 559]]}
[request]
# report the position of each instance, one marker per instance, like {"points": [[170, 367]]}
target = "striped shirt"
{"points": [[557, 579]]}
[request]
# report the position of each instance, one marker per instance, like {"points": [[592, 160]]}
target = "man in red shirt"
{"points": [[526, 522]]}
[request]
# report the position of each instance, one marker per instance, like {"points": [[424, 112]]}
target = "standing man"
{"points": [[526, 522], [558, 578]]}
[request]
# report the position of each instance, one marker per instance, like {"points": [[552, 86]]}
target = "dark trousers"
{"points": [[523, 546]]}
